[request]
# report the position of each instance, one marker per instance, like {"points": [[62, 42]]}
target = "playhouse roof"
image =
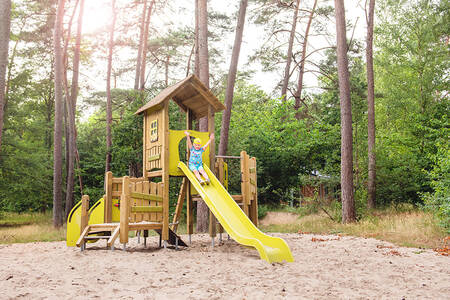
{"points": [[189, 93]]}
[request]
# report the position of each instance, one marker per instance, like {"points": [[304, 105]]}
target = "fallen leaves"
{"points": [[392, 252], [444, 250], [384, 246], [313, 239]]}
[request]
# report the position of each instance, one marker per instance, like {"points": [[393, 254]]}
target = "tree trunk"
{"points": [[144, 47], [140, 47], [197, 58], [371, 186], [348, 203], [71, 109], [298, 93], [203, 65], [5, 24], [108, 90], [287, 69], [57, 135], [223, 145], [166, 70], [8, 79]]}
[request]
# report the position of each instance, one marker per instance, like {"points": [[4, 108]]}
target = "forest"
{"points": [[354, 99]]}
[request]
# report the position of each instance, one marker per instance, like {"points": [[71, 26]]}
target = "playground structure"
{"points": [[141, 204]]}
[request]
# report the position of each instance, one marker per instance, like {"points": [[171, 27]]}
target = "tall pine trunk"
{"points": [[108, 89], [71, 109], [371, 186], [287, 69], [57, 135], [140, 47], [298, 93], [144, 46], [203, 66], [196, 52], [223, 145], [348, 203], [5, 24]]}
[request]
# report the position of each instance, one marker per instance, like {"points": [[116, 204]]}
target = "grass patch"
{"points": [[410, 229], [29, 227], [11, 219], [31, 233]]}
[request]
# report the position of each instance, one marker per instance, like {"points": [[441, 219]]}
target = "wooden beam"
{"points": [[212, 162], [245, 188], [144, 143], [165, 169], [180, 202], [145, 226], [189, 202], [84, 212], [108, 199], [191, 100], [146, 197], [154, 157], [155, 173], [254, 203], [146, 209], [124, 210], [82, 235], [114, 236], [237, 198], [218, 106]]}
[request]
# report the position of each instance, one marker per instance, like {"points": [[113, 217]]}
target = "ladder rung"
{"points": [[97, 237]]}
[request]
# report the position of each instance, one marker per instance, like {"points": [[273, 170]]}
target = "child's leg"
{"points": [[197, 174], [204, 174]]}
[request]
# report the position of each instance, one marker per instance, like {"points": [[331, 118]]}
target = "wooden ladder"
{"points": [[90, 233]]}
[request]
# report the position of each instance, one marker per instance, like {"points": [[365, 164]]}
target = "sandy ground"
{"points": [[325, 267]]}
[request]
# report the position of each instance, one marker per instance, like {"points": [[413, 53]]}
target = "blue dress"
{"points": [[195, 159]]}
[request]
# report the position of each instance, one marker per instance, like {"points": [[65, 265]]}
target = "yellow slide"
{"points": [[96, 216], [235, 222]]}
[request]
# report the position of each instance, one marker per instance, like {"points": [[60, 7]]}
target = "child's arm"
{"points": [[211, 138], [188, 138]]}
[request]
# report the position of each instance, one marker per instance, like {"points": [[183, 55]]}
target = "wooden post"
{"points": [[189, 202], [84, 212], [254, 201], [219, 172], [165, 169], [108, 197], [245, 188], [124, 210], [180, 202], [212, 162], [144, 146]]}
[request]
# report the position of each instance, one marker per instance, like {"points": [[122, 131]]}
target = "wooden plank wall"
{"points": [[142, 186], [253, 211], [152, 150]]}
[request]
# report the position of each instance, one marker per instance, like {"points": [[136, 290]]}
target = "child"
{"points": [[195, 158]]}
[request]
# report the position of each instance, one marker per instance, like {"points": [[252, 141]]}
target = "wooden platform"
{"points": [[91, 231]]}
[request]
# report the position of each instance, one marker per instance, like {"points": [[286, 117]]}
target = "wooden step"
{"points": [[98, 237]]}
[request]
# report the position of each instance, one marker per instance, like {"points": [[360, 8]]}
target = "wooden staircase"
{"points": [[94, 232]]}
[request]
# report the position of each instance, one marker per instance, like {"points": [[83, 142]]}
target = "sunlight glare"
{"points": [[97, 15]]}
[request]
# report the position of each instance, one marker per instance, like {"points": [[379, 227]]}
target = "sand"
{"points": [[325, 267]]}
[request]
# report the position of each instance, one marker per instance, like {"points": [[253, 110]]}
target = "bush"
{"points": [[439, 200]]}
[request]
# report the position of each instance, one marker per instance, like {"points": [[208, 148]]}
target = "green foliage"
{"points": [[438, 201], [284, 149], [262, 210], [411, 67]]}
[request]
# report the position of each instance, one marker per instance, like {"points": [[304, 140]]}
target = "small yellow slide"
{"points": [[235, 222]]}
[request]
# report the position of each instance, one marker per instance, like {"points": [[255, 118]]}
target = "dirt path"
{"points": [[325, 267]]}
